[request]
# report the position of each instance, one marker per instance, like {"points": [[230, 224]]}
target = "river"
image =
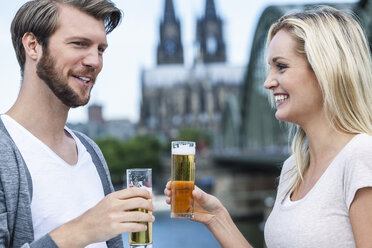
{"points": [[180, 233], [183, 233]]}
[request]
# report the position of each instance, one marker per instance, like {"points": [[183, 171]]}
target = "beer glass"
{"points": [[182, 179], [141, 178]]}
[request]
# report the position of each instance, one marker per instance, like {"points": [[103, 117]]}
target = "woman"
{"points": [[320, 79]]}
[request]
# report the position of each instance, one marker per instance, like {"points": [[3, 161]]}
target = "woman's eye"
{"points": [[281, 66]]}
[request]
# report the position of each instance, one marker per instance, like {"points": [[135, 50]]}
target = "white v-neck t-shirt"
{"points": [[321, 217], [61, 192]]}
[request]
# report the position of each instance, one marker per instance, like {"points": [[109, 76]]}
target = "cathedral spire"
{"points": [[170, 49], [169, 15], [210, 10], [209, 35]]}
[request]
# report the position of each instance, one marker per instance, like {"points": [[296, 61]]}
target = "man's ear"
{"points": [[32, 47]]}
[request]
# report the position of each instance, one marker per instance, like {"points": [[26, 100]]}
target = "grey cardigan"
{"points": [[16, 229]]}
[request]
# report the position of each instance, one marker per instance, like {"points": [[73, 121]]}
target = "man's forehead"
{"points": [[74, 22]]}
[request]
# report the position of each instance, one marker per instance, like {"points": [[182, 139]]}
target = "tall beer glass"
{"points": [[141, 178], [183, 178]]}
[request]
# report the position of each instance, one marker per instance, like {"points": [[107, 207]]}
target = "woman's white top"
{"points": [[321, 217]]}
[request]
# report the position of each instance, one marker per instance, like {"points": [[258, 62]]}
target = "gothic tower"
{"points": [[209, 35], [170, 49]]}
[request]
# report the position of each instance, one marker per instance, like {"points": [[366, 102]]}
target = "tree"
{"points": [[137, 152], [143, 152], [202, 138]]}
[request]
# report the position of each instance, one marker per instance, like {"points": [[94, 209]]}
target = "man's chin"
{"points": [[76, 106], [75, 103], [79, 104]]}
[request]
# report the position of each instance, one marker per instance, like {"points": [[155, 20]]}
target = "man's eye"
{"points": [[79, 43], [101, 50]]}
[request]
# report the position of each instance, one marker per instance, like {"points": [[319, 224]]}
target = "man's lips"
{"points": [[86, 80]]}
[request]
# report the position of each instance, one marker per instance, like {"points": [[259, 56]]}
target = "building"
{"points": [[175, 95], [170, 50], [98, 127]]}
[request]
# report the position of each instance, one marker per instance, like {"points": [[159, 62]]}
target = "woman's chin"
{"points": [[280, 116]]}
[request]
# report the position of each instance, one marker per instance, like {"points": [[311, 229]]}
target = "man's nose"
{"points": [[93, 60]]}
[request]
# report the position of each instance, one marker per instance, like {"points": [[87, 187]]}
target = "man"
{"points": [[55, 189]]}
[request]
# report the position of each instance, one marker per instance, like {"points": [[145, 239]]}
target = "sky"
{"points": [[132, 48]]}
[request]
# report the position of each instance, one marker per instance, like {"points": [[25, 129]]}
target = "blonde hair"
{"points": [[336, 49]]}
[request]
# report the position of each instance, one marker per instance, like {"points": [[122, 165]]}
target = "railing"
{"points": [[246, 204]]}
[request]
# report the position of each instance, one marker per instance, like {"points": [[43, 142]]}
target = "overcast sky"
{"points": [[132, 47]]}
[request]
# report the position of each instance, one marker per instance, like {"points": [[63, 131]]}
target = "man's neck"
{"points": [[39, 111]]}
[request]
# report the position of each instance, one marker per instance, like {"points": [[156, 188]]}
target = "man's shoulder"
{"points": [[10, 159], [89, 144], [81, 135], [85, 139], [6, 143]]}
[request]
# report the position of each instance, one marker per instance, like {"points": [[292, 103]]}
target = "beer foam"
{"points": [[183, 148]]}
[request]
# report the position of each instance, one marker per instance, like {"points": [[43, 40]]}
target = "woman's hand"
{"points": [[206, 206], [210, 211]]}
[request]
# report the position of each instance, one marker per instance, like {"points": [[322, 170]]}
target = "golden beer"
{"points": [[182, 200], [141, 178], [183, 178], [142, 238]]}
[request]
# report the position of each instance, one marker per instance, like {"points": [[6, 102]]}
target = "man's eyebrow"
{"points": [[103, 44]]}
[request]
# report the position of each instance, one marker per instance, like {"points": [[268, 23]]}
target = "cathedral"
{"points": [[175, 95]]}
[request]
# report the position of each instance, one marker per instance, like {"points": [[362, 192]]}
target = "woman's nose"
{"points": [[270, 83]]}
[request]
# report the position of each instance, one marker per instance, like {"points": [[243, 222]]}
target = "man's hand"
{"points": [[112, 216]]}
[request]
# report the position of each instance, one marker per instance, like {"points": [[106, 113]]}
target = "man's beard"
{"points": [[47, 71]]}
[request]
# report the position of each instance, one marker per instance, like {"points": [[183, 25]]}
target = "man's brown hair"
{"points": [[40, 17]]}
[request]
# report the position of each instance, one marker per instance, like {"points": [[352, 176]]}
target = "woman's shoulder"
{"points": [[359, 146], [288, 170], [289, 164], [357, 166], [363, 139]]}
